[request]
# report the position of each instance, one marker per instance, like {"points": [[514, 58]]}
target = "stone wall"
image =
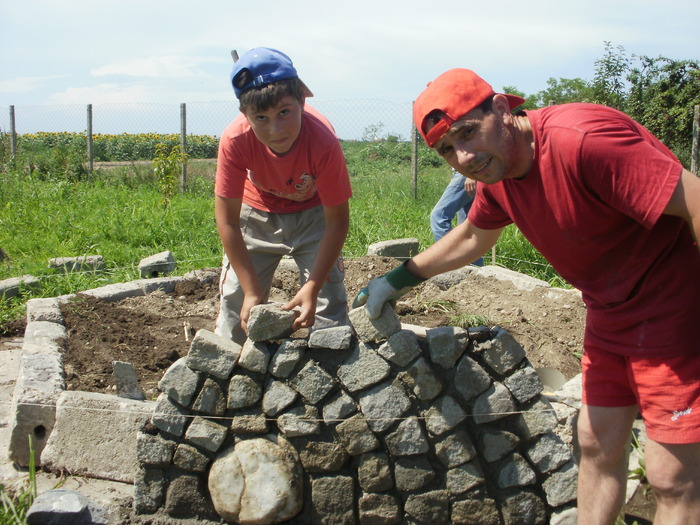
{"points": [[369, 424]]}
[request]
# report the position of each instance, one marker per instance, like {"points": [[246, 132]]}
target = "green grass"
{"points": [[15, 506], [119, 212]]}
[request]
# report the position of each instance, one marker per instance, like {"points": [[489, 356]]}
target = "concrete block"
{"points": [[157, 265]]}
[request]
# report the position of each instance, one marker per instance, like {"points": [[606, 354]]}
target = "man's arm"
{"points": [[685, 202], [228, 214], [462, 246], [337, 219]]}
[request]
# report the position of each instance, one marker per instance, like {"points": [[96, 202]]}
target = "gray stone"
{"points": [[549, 453], [186, 497], [447, 344], [400, 348], [383, 405], [396, 248], [408, 439], [470, 379], [210, 400], [502, 353], [64, 507], [564, 516], [243, 392], [149, 490], [475, 511], [524, 508], [45, 332], [277, 397], [444, 415], [338, 408], [213, 354], [536, 419], [157, 265], [430, 507], [422, 380], [43, 309], [83, 263], [206, 433], [299, 421], [154, 450], [312, 382], [524, 384], [332, 338], [12, 286], [319, 456], [126, 381], [375, 330], [116, 292], [180, 382], [379, 509], [333, 500], [356, 436], [268, 322], [374, 472], [249, 423], [413, 473], [287, 357], [457, 448], [189, 458], [496, 444], [495, 403], [514, 471], [362, 368], [463, 478], [255, 356], [169, 417], [560, 486]]}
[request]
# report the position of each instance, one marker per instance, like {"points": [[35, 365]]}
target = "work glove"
{"points": [[388, 287]]}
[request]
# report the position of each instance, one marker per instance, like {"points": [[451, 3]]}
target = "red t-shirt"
{"points": [[592, 205], [313, 172]]}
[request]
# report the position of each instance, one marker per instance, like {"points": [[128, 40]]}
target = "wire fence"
{"points": [[357, 119]]}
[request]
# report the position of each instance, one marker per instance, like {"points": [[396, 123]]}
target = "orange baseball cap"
{"points": [[454, 93]]}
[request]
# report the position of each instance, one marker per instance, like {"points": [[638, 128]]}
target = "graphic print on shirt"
{"points": [[302, 188]]}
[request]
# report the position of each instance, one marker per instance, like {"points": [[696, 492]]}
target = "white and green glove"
{"points": [[388, 287]]}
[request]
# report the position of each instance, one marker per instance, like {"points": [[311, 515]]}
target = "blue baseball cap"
{"points": [[262, 66]]}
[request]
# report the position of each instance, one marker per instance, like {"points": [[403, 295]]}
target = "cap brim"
{"points": [[307, 91]]}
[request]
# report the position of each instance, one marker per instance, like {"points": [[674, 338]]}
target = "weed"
{"points": [[166, 166], [470, 320], [14, 508]]}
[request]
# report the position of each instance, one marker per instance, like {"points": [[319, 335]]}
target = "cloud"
{"points": [[26, 84], [170, 66]]}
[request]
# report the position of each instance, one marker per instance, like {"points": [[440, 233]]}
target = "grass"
{"points": [[120, 212], [14, 507]]}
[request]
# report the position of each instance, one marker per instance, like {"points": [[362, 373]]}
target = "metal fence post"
{"points": [[13, 132], [90, 154], [183, 144], [696, 138]]}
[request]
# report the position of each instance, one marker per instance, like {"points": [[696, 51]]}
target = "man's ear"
{"points": [[500, 103]]}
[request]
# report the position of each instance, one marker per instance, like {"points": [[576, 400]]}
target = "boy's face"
{"points": [[277, 127]]}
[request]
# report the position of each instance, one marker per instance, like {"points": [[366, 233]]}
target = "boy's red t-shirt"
{"points": [[592, 204], [313, 172]]}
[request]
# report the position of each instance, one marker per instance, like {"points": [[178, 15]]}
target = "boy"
{"points": [[282, 188]]}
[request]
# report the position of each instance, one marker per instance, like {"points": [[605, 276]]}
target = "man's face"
{"points": [[480, 146], [277, 127]]}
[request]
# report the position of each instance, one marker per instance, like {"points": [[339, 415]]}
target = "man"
{"points": [[616, 214]]}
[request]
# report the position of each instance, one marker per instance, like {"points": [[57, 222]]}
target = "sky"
{"points": [[78, 52]]}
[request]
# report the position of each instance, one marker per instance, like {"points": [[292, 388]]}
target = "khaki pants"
{"points": [[269, 237]]}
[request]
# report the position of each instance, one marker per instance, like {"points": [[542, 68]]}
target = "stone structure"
{"points": [[376, 426]]}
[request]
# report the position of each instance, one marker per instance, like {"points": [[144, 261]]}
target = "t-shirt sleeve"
{"points": [[231, 170], [617, 162], [486, 213]]}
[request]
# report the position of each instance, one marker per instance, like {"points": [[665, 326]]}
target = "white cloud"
{"points": [[26, 84], [172, 66]]}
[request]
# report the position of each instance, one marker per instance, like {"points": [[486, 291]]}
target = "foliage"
{"points": [[609, 82], [166, 166], [123, 147], [14, 509], [564, 91]]}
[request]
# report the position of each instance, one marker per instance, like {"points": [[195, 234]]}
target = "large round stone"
{"points": [[257, 482]]}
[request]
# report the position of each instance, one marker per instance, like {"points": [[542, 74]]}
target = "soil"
{"points": [[152, 332]]}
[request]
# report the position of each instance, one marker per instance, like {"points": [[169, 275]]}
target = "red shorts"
{"points": [[667, 391]]}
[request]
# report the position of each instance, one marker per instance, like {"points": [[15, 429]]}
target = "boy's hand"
{"points": [[248, 302], [305, 300], [388, 287]]}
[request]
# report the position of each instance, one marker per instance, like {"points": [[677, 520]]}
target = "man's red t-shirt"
{"points": [[312, 173], [592, 204]]}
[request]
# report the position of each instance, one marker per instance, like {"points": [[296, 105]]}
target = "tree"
{"points": [[609, 85], [662, 95], [564, 90]]}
